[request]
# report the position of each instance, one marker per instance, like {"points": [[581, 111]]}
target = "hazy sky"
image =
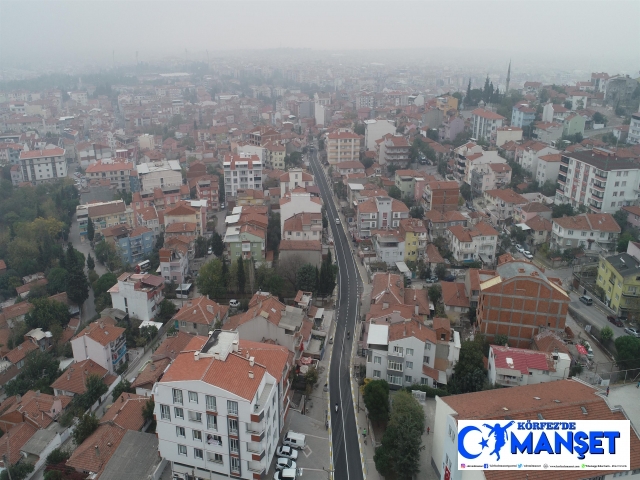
{"points": [[60, 29]]}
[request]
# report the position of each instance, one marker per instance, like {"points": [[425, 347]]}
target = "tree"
{"points": [[293, 160], [201, 246], [46, 313], [465, 191], [367, 162], [17, 471], [501, 340], [306, 278], [623, 241], [123, 387], [90, 263], [57, 278], [376, 399], [95, 388], [91, 230], [107, 254], [104, 283], [606, 334], [469, 374], [359, 129], [327, 277], [78, 285], [241, 275], [273, 232], [440, 271], [395, 192], [86, 426], [166, 311], [599, 118], [217, 245], [148, 333], [628, 352], [417, 212], [211, 279], [435, 293], [147, 410], [57, 456], [561, 210]]}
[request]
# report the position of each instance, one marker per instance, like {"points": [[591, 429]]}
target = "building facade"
{"points": [[43, 166], [241, 172], [138, 294]]}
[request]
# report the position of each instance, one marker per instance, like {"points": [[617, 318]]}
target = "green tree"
{"points": [[628, 352], [104, 283], [90, 263], [91, 230], [241, 275], [623, 241], [123, 387], [376, 399], [46, 313], [606, 334], [465, 191], [367, 162], [78, 285], [359, 129], [273, 232], [469, 374], [435, 293], [211, 280], [217, 245], [40, 370], [201, 246], [599, 118], [306, 278], [147, 410], [561, 210], [86, 426], [440, 271], [417, 212], [95, 388], [268, 280], [166, 311], [395, 192], [17, 471], [57, 456], [501, 340], [57, 278]]}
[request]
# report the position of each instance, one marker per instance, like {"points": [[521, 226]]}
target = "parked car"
{"points": [[586, 299], [527, 254], [286, 474], [449, 278], [234, 303], [519, 248], [632, 331], [616, 321], [288, 452], [282, 463], [209, 251]]}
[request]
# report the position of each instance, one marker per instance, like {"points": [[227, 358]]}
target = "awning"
{"points": [[581, 349], [523, 226]]}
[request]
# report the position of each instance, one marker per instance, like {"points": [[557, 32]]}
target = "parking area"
{"points": [[315, 456]]}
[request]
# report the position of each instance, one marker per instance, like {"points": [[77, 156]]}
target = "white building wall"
{"points": [[165, 178], [85, 347], [547, 171], [300, 202], [137, 304], [375, 130]]}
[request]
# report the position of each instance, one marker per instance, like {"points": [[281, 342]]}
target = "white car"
{"points": [[234, 303], [519, 248], [282, 463], [209, 251], [337, 221], [527, 254], [286, 451], [632, 331]]}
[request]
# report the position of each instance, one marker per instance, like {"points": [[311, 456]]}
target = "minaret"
{"points": [[508, 78]]}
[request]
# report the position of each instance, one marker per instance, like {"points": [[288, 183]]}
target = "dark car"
{"points": [[616, 321], [449, 278]]}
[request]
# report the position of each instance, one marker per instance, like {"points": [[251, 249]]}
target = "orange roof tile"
{"points": [[201, 310], [126, 411], [101, 332], [91, 459]]}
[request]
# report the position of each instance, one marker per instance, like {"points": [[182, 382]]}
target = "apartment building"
{"points": [[438, 222], [220, 407], [303, 226], [441, 196], [199, 316], [241, 172], [394, 150], [596, 232], [406, 181], [491, 176], [101, 342], [247, 240], [548, 168], [43, 166], [597, 179], [524, 213], [414, 233], [295, 178], [192, 212], [528, 154], [105, 214], [165, 173], [619, 279], [471, 156], [115, 171], [476, 243], [375, 130], [500, 204], [520, 301], [138, 294], [634, 129], [296, 202], [174, 263], [508, 134], [548, 132], [389, 246], [349, 168], [342, 146], [402, 353], [275, 154], [379, 213], [522, 115], [207, 188], [133, 244], [512, 367], [484, 125]]}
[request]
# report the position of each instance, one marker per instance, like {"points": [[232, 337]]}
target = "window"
{"points": [[197, 453], [165, 412], [391, 365], [195, 416], [616, 184], [235, 464], [394, 380], [570, 232], [217, 458], [197, 435], [180, 432], [178, 413], [193, 397], [407, 378], [409, 365], [234, 445], [183, 323], [584, 234], [232, 407], [376, 374], [410, 351], [214, 439], [233, 426], [182, 450], [398, 350], [377, 360], [426, 360], [624, 184], [615, 194], [427, 346], [212, 422]]}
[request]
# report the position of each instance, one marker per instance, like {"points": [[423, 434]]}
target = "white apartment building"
{"points": [[294, 178], [379, 213], [375, 130], [389, 247], [595, 232], [394, 150], [597, 179], [513, 367], [220, 407], [242, 172], [303, 226], [399, 352], [484, 125], [294, 203], [529, 153], [165, 173], [105, 344], [138, 294], [471, 156], [469, 244], [548, 168], [342, 146], [42, 166], [634, 129]]}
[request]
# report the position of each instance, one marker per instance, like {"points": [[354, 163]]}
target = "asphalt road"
{"points": [[346, 452]]}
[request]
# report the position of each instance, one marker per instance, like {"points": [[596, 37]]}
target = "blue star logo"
{"points": [[484, 443]]}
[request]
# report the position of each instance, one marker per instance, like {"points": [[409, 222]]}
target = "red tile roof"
{"points": [[96, 451], [53, 152], [518, 359], [201, 310], [126, 411], [481, 112], [20, 352], [73, 379], [454, 294], [101, 332], [12, 441]]}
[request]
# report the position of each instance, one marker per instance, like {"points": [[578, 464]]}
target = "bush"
{"points": [[430, 391], [87, 425], [376, 399], [57, 456]]}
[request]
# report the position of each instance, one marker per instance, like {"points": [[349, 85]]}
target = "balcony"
{"points": [[599, 187], [564, 160], [601, 175], [256, 448], [562, 180], [507, 382], [564, 169], [597, 195], [256, 467], [255, 428]]}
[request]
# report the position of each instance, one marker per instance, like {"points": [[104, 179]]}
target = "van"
{"points": [[587, 300], [294, 440], [286, 474]]}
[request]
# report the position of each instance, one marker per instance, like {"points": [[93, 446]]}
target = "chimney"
{"points": [[252, 361], [97, 451], [250, 374]]}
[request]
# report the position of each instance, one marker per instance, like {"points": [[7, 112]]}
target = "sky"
{"points": [[525, 29]]}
